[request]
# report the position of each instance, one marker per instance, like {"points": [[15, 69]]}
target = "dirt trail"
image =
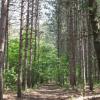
{"points": [[49, 92]]}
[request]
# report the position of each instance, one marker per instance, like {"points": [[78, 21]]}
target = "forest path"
{"points": [[51, 92], [48, 92]]}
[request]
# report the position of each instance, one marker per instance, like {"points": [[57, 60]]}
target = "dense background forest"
{"points": [[49, 42]]}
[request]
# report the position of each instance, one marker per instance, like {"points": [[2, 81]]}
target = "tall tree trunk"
{"points": [[72, 40], [31, 47], [6, 37], [92, 13], [58, 19], [35, 26], [36, 35], [26, 47], [58, 26], [19, 84], [2, 42]]}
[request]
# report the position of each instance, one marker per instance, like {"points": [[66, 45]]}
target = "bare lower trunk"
{"points": [[1, 83], [2, 42], [31, 47], [19, 80]]}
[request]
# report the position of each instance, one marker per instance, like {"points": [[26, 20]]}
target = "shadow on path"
{"points": [[51, 92]]}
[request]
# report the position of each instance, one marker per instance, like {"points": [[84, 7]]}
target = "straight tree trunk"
{"points": [[36, 24], [72, 40], [58, 21], [6, 39], [26, 47], [2, 42], [19, 84], [92, 13], [31, 47]]}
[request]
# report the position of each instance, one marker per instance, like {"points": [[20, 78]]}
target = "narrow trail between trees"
{"points": [[51, 92]]}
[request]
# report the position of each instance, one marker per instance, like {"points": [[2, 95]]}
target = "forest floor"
{"points": [[53, 92]]}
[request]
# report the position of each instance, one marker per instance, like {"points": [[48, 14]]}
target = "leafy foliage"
{"points": [[10, 77], [46, 68]]}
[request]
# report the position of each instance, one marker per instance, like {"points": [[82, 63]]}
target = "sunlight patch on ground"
{"points": [[97, 97], [51, 92]]}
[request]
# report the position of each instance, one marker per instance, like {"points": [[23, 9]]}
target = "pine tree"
{"points": [[20, 53], [2, 42]]}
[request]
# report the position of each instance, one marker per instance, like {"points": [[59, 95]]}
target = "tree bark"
{"points": [[26, 47], [31, 47], [19, 80], [2, 42]]}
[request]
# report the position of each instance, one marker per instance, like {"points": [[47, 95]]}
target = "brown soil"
{"points": [[53, 92]]}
